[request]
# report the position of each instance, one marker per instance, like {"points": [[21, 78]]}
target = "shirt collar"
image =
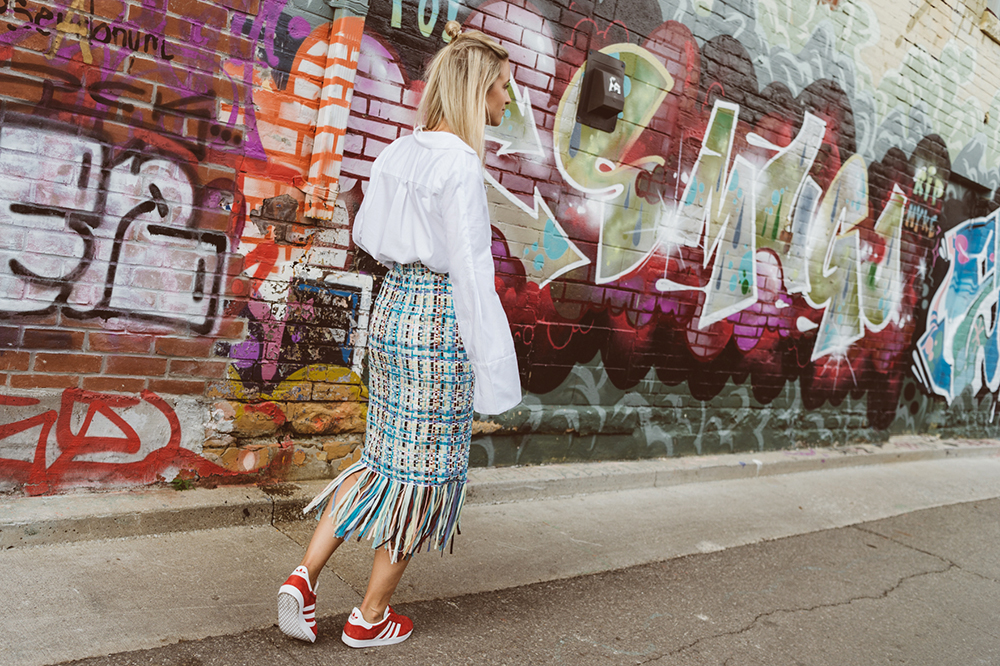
{"points": [[440, 140]]}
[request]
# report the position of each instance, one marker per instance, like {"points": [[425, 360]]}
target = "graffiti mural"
{"points": [[958, 350], [739, 224], [320, 322], [790, 235], [133, 159]]}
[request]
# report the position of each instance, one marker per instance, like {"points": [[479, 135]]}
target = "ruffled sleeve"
{"points": [[481, 318]]}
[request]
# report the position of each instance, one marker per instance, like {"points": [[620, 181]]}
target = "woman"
{"points": [[439, 344]]}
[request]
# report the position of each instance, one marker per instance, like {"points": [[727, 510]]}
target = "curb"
{"points": [[32, 521]]}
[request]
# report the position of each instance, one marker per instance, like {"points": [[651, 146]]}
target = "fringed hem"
{"points": [[398, 516]]}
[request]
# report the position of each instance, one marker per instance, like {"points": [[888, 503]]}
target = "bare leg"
{"points": [[384, 579], [323, 542]]}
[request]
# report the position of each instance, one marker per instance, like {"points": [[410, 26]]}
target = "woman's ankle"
{"points": [[372, 616]]}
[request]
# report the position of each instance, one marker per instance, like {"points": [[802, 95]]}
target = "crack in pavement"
{"points": [[905, 545], [926, 552], [948, 565], [753, 623], [359, 593]]}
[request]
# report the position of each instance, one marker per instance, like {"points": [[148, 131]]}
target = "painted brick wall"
{"points": [[760, 254], [789, 239]]}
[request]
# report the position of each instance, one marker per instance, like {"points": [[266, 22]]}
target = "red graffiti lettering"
{"points": [[88, 454], [73, 444]]}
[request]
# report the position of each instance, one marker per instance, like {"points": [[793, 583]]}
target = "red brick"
{"points": [[191, 347], [12, 360], [238, 287], [119, 343], [10, 336], [175, 28], [534, 79], [76, 363], [209, 173], [136, 366], [46, 320], [240, 41], [114, 384], [573, 57], [214, 220], [206, 13], [40, 338], [147, 68], [29, 38], [108, 9], [138, 91], [200, 61], [96, 324], [208, 369], [234, 265], [516, 183], [24, 57], [23, 89], [223, 42], [44, 381], [116, 131], [177, 387], [250, 7], [232, 329]]}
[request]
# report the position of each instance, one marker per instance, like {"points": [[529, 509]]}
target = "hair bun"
{"points": [[453, 29]]}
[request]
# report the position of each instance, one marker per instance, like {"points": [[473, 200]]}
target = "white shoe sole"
{"points": [[373, 642], [290, 619]]}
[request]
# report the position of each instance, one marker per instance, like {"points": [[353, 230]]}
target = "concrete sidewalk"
{"points": [[87, 516], [87, 575]]}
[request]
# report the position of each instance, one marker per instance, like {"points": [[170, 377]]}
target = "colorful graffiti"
{"points": [[959, 348], [792, 228], [734, 219], [317, 322], [170, 199], [302, 308]]}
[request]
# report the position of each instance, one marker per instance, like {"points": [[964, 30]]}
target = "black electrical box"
{"points": [[602, 94]]}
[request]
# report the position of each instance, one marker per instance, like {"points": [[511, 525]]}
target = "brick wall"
{"points": [[788, 240], [655, 315]]}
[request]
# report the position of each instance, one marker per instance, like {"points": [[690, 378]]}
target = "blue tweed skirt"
{"points": [[413, 469]]}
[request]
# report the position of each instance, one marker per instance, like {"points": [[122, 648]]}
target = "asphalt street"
{"points": [[921, 588]]}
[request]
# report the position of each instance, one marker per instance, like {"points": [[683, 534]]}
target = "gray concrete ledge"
{"points": [[30, 521], [512, 484]]}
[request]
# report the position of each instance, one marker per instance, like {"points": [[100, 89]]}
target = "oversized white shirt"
{"points": [[426, 202]]}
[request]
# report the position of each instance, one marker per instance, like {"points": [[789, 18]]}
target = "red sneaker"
{"points": [[297, 606], [391, 629]]}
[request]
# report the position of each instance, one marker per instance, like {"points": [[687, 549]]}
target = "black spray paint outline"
{"points": [[82, 223]]}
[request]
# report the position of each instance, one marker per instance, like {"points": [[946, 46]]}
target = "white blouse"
{"points": [[426, 202]]}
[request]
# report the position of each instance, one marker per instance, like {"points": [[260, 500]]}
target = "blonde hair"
{"points": [[458, 79]]}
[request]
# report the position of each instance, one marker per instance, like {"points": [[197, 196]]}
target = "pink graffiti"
{"points": [[962, 249]]}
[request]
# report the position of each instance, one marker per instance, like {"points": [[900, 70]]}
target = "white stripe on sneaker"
{"points": [[391, 629]]}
